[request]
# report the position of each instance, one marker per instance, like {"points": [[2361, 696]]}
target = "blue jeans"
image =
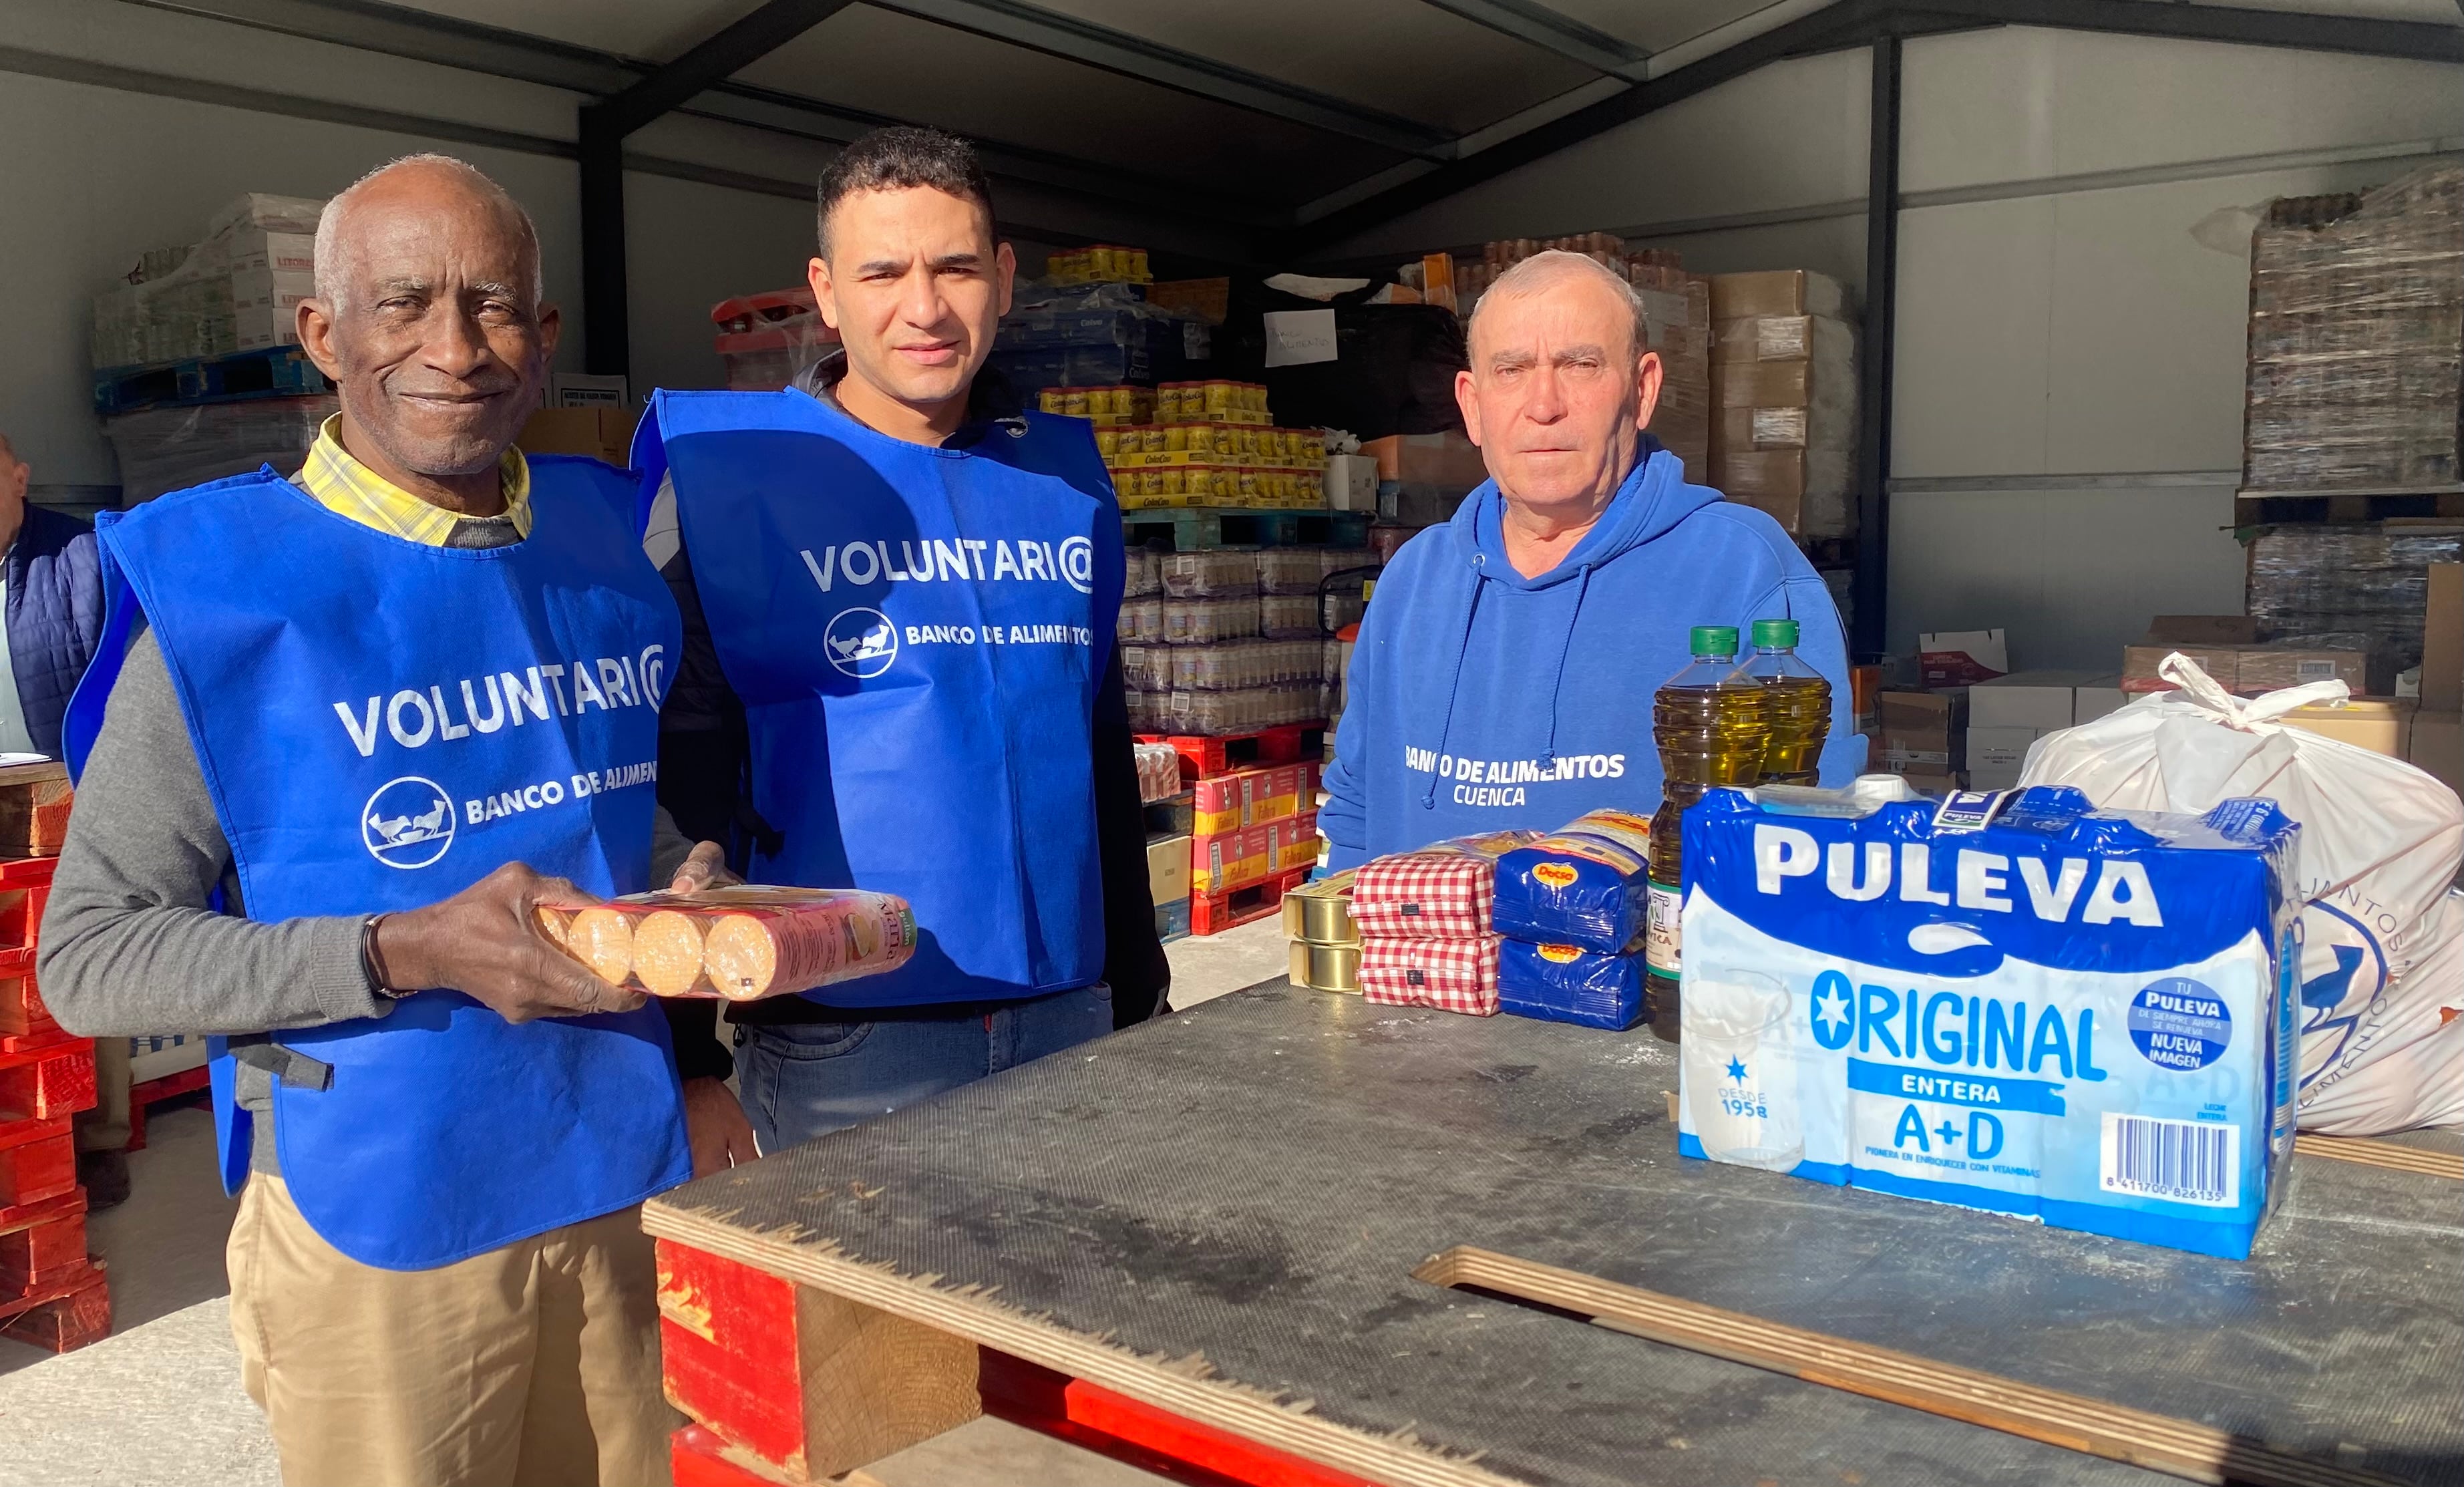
{"points": [[800, 1080]]}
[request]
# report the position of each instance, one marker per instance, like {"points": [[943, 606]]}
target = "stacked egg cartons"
{"points": [[52, 1293]]}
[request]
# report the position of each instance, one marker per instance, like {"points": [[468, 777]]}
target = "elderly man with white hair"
{"points": [[1506, 669], [334, 750]]}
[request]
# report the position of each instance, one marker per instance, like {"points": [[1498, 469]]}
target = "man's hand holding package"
{"points": [[715, 1123], [484, 942]]}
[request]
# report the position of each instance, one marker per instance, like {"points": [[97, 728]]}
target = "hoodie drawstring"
{"points": [[1582, 587], [1462, 648]]}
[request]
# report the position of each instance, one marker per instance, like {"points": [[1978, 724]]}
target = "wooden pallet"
{"points": [[1213, 913], [33, 813], [153, 1091], [271, 371], [2092, 1426], [1198, 529], [66, 1315], [41, 1083], [2293, 508], [1202, 756], [42, 1247]]}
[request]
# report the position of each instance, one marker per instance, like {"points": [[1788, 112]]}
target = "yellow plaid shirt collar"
{"points": [[348, 488]]}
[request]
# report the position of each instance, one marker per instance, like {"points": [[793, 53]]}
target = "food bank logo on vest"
{"points": [[932, 560], [407, 823], [860, 642], [415, 718]]}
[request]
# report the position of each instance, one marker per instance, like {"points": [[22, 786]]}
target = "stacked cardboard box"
{"points": [[2356, 335], [2227, 647], [237, 290], [1250, 825], [1784, 398], [1924, 736], [2437, 741], [2008, 714]]}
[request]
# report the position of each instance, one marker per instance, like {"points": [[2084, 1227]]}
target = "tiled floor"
{"points": [[159, 1402]]}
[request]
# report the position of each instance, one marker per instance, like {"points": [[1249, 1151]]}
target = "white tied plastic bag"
{"points": [[2383, 940]]}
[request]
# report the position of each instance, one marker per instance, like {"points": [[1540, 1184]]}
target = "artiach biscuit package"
{"points": [[741, 943]]}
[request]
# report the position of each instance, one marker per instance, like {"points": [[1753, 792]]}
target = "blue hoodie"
{"points": [[1480, 700]]}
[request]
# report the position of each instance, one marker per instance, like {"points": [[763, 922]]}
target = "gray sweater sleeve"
{"points": [[128, 945]]}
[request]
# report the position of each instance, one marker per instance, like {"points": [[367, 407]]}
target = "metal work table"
{"points": [[1214, 1219]]}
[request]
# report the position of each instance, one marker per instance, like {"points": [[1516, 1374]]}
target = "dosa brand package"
{"points": [[741, 943], [1586, 884], [2009, 1001]]}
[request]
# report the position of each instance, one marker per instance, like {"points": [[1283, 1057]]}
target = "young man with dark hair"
{"points": [[899, 592]]}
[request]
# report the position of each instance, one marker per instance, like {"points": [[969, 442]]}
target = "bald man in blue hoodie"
{"points": [[1506, 669]]}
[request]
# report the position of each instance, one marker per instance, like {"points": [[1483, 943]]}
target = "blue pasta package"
{"points": [[1564, 982], [2010, 1001], [1586, 884]]}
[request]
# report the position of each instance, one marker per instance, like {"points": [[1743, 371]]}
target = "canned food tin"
{"points": [[1073, 402], [1108, 444], [1326, 968], [1049, 400]]}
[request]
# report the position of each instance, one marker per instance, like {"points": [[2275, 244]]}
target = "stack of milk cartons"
{"points": [[2004, 1000], [1571, 908], [1424, 921]]}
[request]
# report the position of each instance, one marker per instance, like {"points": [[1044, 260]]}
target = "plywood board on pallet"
{"points": [[1091, 1214]]}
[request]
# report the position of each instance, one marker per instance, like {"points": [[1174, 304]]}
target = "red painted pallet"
{"points": [[153, 1091], [66, 1316], [1129, 1430], [53, 1080], [1202, 756], [1213, 913], [37, 1161], [39, 1256], [22, 1012]]}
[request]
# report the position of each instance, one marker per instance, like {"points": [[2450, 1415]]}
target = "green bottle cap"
{"points": [[1715, 639], [1775, 634]]}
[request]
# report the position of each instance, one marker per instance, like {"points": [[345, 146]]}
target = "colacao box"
{"points": [[1252, 797], [2006, 1001]]}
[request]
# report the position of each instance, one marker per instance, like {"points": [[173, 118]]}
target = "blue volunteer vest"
{"points": [[383, 723], [916, 634]]}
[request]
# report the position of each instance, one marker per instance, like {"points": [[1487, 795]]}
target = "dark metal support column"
{"points": [[1868, 626], [605, 319], [604, 125]]}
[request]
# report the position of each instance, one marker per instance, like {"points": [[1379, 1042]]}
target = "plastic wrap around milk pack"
{"points": [[2007, 1001]]}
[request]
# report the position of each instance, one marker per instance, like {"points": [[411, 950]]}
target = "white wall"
{"points": [[2058, 324]]}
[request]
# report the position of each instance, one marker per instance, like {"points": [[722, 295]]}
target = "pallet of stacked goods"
{"points": [[2352, 463], [768, 340], [1784, 398], [197, 373], [52, 1293]]}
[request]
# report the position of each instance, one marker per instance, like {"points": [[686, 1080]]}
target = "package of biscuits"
{"points": [[740, 944]]}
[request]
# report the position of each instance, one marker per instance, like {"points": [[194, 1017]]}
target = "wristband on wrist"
{"points": [[372, 963]]}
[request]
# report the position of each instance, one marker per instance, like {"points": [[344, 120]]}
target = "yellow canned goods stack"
{"points": [[1099, 263], [1106, 407]]}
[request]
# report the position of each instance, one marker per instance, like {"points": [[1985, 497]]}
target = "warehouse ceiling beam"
{"points": [[606, 293], [1551, 31], [1136, 56], [447, 41], [1857, 23], [1845, 23]]}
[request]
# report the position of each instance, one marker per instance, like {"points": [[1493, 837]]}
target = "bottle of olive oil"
{"points": [[1709, 722], [1796, 700]]}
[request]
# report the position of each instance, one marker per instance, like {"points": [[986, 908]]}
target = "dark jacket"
{"points": [[55, 618], [703, 763]]}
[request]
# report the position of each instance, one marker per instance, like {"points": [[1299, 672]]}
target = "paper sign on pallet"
{"points": [[2012, 1000]]}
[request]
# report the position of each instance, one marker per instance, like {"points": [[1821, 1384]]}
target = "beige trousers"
{"points": [[536, 1365]]}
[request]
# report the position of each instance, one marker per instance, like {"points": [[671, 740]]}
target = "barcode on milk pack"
{"points": [[2181, 1160]]}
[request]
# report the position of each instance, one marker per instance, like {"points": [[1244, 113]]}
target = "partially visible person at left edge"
{"points": [[899, 590], [327, 750], [54, 596], [1504, 673]]}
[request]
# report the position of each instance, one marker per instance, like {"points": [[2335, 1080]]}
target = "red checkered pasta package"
{"points": [[1444, 892], [1453, 975]]}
